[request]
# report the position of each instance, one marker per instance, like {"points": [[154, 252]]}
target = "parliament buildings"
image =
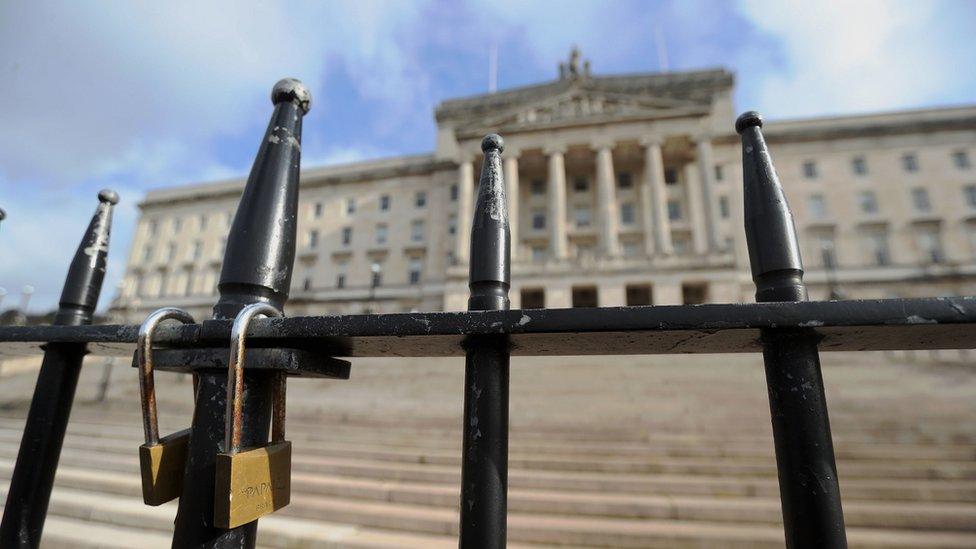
{"points": [[623, 190]]}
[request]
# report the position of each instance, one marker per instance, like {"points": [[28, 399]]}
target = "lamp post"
{"points": [[374, 281], [829, 261]]}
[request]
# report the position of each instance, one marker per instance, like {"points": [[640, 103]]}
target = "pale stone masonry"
{"points": [[622, 189]]}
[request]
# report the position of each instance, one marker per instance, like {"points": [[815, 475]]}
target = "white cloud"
{"points": [[139, 95], [844, 56]]}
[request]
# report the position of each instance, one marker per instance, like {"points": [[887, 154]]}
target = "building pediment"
{"points": [[580, 105]]}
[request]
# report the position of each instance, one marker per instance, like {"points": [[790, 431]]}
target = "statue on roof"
{"points": [[571, 69]]}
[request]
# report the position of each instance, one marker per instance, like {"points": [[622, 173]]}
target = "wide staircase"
{"points": [[694, 467]]}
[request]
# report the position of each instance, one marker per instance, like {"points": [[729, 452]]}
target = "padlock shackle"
{"points": [[147, 382], [235, 379]]}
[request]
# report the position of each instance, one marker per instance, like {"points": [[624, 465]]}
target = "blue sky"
{"points": [[135, 95]]}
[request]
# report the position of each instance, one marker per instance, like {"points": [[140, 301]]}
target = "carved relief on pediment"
{"points": [[582, 106]]}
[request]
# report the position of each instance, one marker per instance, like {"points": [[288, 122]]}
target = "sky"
{"points": [[140, 95]]}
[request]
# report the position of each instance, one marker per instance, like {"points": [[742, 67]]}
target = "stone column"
{"points": [[654, 201], [696, 209], [706, 171], [606, 200], [512, 192], [557, 203], [462, 235]]}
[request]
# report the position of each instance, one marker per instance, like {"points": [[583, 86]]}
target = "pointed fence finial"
{"points": [[489, 274], [260, 250], [774, 252], [83, 284]]}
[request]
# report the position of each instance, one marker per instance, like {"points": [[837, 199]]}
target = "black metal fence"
{"points": [[257, 268]]}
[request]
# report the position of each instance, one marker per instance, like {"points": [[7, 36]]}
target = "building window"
{"points": [[810, 169], [681, 244], [970, 192], [723, 207], [350, 206], [177, 224], [538, 219], [670, 176], [538, 187], [417, 230], [630, 248], [868, 201], [152, 227], [341, 280], [639, 294], [877, 243], [317, 210], [346, 236], [533, 298], [859, 165], [585, 296], [582, 216], [313, 238], [307, 283], [147, 253], [163, 283], [694, 293], [674, 210], [930, 244], [381, 233], [538, 253], [454, 192], [628, 213], [581, 184], [971, 234], [909, 162], [413, 274], [385, 203], [920, 199], [377, 278], [197, 251], [585, 250], [961, 160], [719, 172], [625, 180], [171, 252], [202, 222], [817, 205], [420, 199], [452, 224]]}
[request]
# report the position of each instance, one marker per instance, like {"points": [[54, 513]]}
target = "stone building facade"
{"points": [[623, 190]]}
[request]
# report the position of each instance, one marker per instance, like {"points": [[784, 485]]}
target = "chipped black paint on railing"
{"points": [[789, 330], [47, 419], [257, 268], [809, 490], [484, 451]]}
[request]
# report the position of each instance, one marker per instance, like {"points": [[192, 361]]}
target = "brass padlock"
{"points": [[251, 482], [161, 460]]}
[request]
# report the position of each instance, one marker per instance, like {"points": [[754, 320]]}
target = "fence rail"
{"points": [[855, 325], [787, 329]]}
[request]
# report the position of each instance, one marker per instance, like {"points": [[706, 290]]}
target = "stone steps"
{"points": [[437, 528], [699, 447], [673, 485], [900, 515], [652, 464], [389, 477]]}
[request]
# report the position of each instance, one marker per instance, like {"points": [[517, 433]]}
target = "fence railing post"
{"points": [[257, 267], [808, 485], [47, 419], [484, 454]]}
